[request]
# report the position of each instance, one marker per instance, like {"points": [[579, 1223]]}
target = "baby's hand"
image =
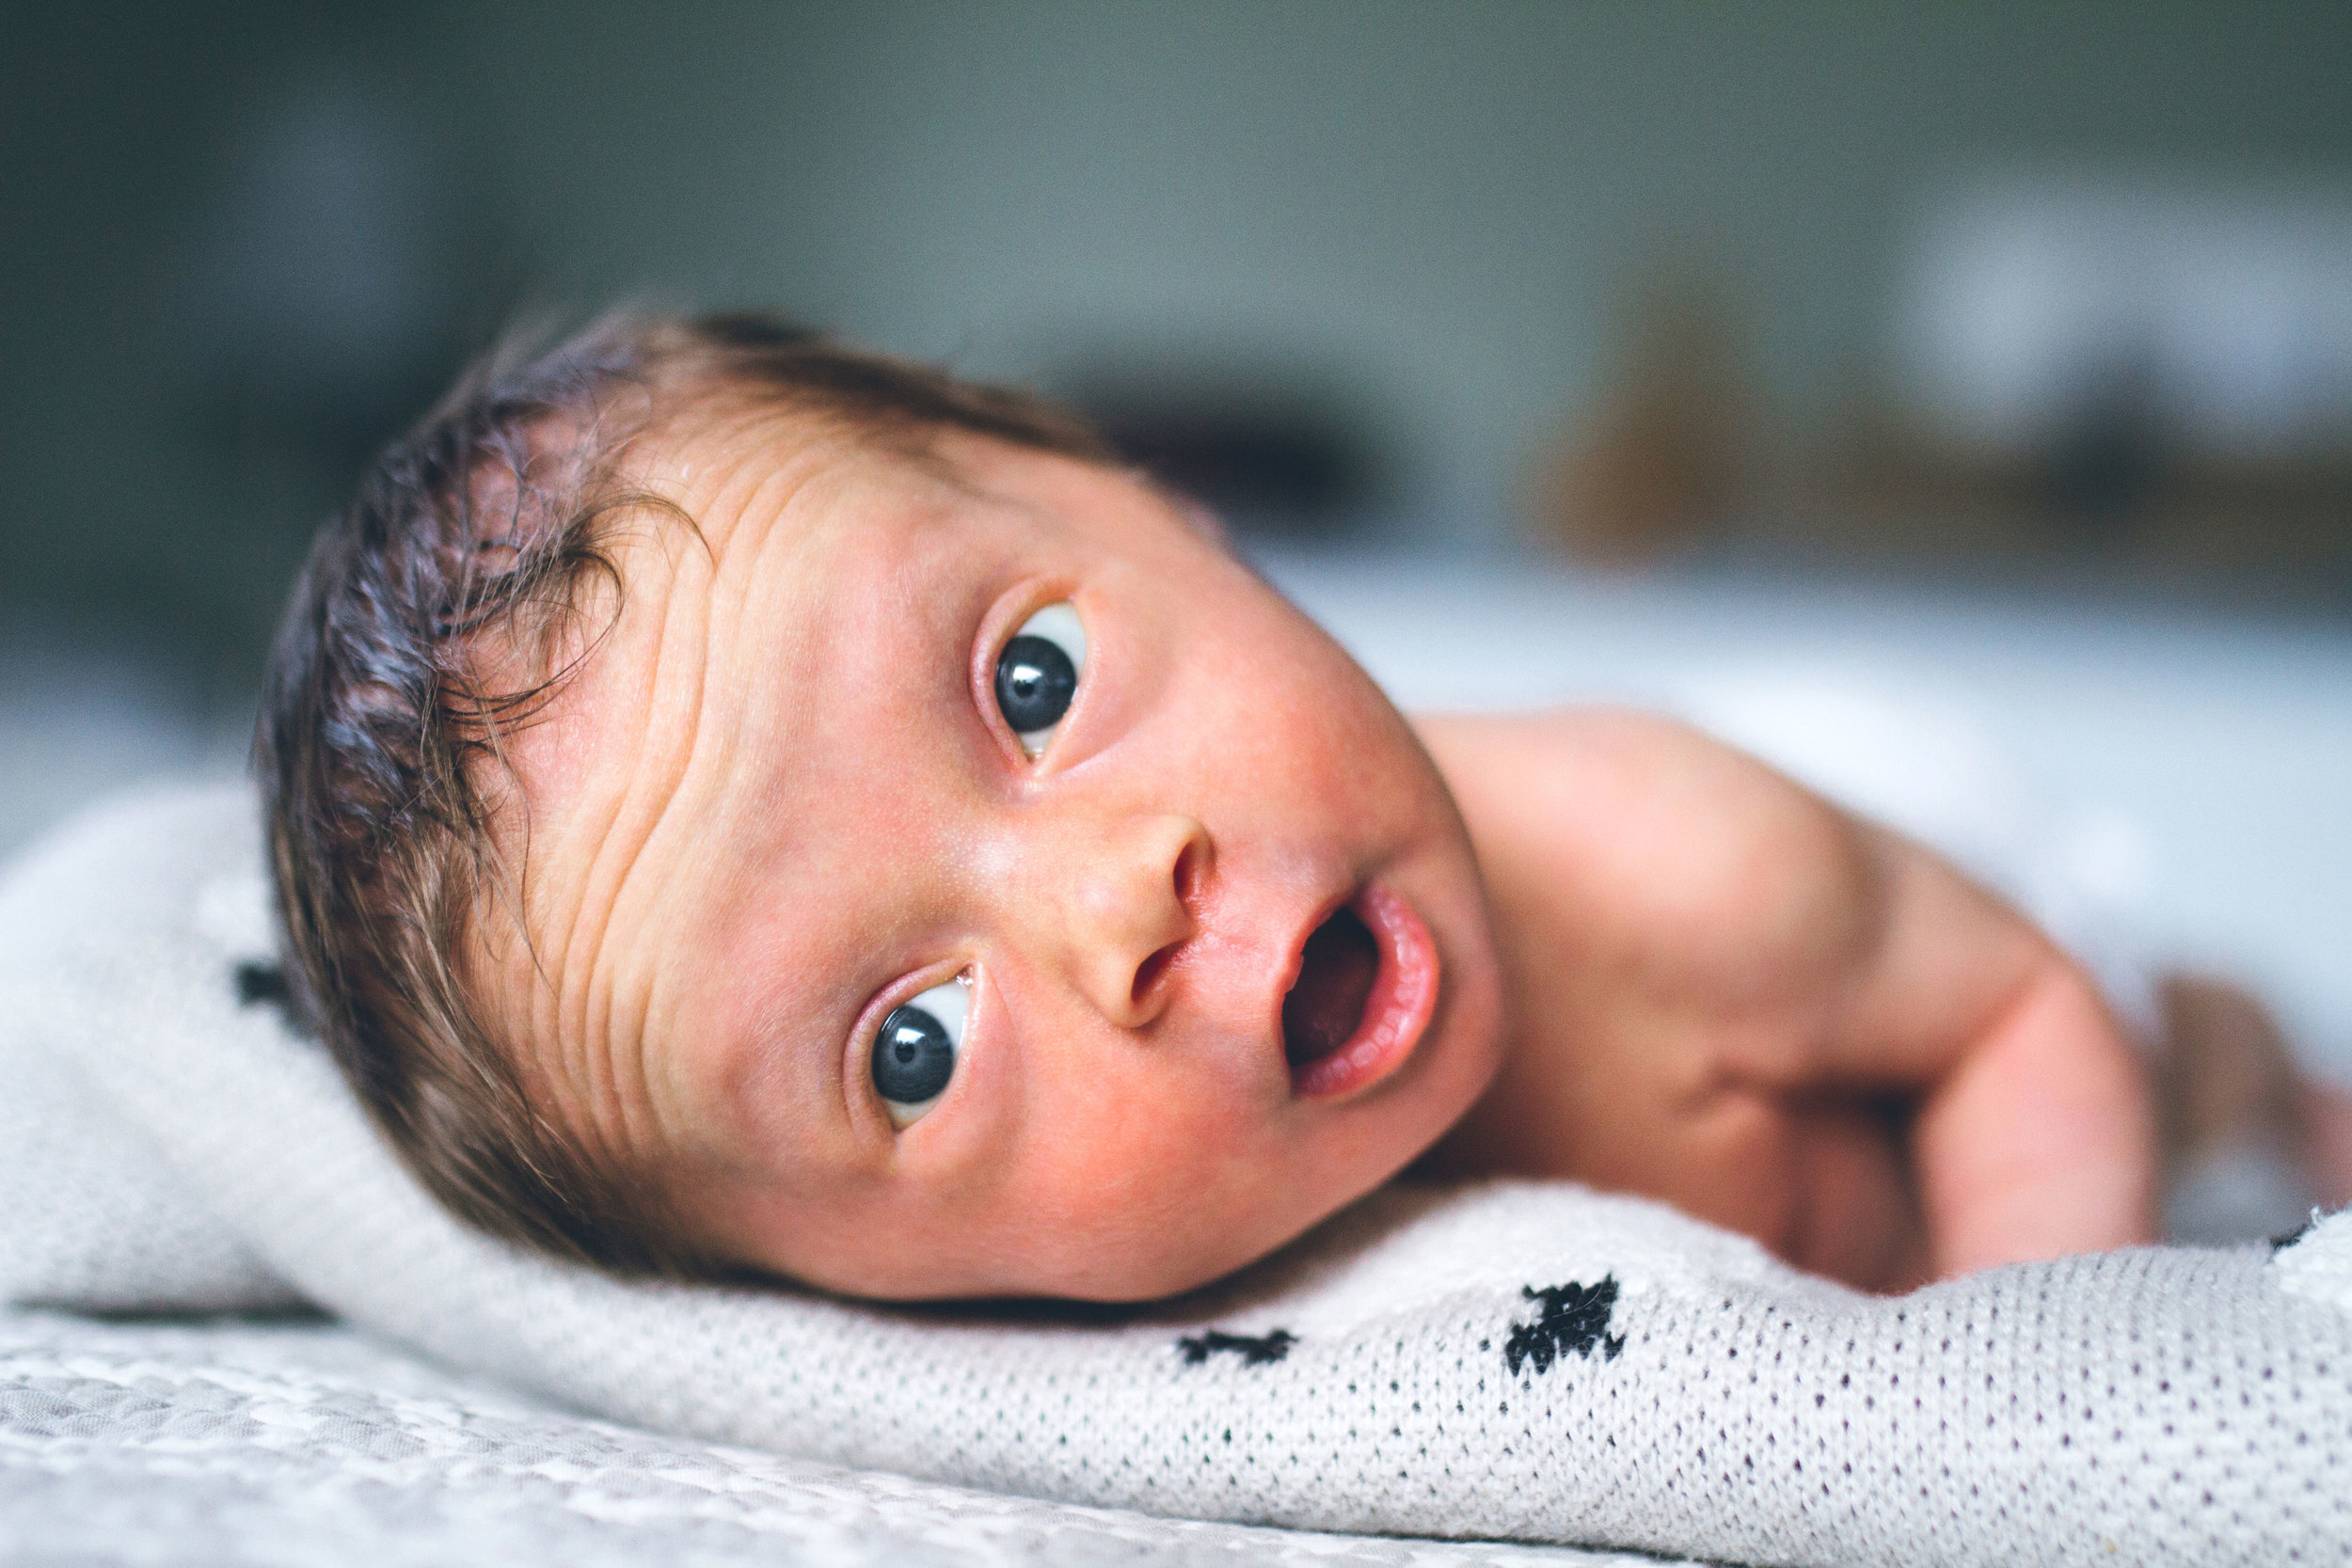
{"points": [[1729, 994]]}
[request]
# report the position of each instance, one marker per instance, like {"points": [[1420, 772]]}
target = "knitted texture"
{"points": [[1515, 1361], [293, 1443]]}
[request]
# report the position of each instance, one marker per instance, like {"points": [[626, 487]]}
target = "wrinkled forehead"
{"points": [[759, 542], [611, 806], [738, 527]]}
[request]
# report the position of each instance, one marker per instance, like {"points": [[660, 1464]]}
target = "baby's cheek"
{"points": [[1152, 1182], [1137, 1154]]}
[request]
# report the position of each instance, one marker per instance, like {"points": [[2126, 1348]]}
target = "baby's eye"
{"points": [[915, 1054], [1036, 674]]}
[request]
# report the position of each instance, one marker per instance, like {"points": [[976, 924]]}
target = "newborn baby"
{"points": [[744, 805]]}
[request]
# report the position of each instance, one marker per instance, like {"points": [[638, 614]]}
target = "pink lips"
{"points": [[1397, 1013]]}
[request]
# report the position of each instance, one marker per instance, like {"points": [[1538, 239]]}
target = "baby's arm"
{"points": [[2032, 1137], [1728, 993]]}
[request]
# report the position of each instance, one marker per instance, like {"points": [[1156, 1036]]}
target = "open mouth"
{"points": [[1366, 986], [1335, 976]]}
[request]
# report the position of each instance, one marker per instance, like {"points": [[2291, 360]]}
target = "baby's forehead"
{"points": [[722, 470], [833, 497], [749, 539]]}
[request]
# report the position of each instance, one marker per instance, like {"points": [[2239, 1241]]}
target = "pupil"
{"points": [[1035, 681], [913, 1057]]}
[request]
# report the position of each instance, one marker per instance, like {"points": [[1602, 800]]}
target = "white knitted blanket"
{"points": [[1517, 1362]]}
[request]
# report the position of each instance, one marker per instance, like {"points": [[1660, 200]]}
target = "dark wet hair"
{"points": [[379, 736]]}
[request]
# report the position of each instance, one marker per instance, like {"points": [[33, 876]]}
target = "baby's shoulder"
{"points": [[1573, 775], [1636, 827]]}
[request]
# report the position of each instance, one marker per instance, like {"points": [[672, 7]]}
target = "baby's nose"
{"points": [[1120, 899]]}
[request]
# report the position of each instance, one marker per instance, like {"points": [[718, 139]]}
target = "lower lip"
{"points": [[1396, 1014]]}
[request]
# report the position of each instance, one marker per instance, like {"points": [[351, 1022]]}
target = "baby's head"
{"points": [[741, 803]]}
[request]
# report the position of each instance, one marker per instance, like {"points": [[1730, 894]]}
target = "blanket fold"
{"points": [[1527, 1361]]}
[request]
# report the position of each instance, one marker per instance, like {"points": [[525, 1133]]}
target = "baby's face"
{"points": [[786, 825]]}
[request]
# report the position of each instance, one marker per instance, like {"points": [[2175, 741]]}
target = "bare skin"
{"points": [[779, 801], [1724, 993]]}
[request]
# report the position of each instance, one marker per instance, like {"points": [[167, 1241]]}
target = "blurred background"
{"points": [[1985, 368]]}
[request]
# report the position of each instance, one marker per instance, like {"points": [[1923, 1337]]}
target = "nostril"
{"points": [[1186, 877], [1148, 972], [1188, 869]]}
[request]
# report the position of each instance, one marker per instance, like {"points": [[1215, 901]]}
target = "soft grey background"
{"points": [[245, 242]]}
